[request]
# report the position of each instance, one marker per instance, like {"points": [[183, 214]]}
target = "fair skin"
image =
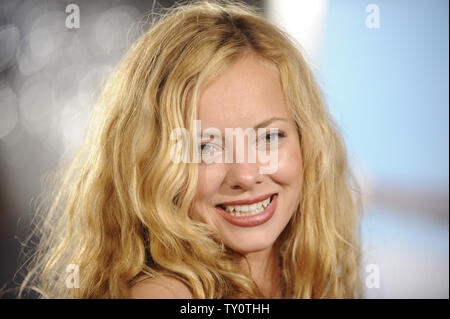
{"points": [[247, 94]]}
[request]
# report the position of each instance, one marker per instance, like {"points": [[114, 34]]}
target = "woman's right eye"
{"points": [[209, 152], [206, 148]]}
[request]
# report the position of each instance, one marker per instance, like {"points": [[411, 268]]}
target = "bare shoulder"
{"points": [[160, 288]]}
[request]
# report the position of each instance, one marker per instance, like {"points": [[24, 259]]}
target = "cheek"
{"points": [[290, 166], [210, 179]]}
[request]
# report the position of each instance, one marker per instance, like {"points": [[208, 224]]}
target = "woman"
{"points": [[139, 224]]}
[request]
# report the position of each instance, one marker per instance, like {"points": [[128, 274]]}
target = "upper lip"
{"points": [[248, 201]]}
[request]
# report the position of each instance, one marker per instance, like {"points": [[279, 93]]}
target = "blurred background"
{"points": [[383, 67]]}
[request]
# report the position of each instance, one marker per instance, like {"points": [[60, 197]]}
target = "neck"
{"points": [[264, 269]]}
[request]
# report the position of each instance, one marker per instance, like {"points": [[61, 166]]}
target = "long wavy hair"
{"points": [[120, 208]]}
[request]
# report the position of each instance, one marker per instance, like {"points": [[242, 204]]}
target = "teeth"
{"points": [[247, 210]]}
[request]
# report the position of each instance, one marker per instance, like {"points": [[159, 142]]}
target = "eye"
{"points": [[209, 152], [206, 148], [273, 137]]}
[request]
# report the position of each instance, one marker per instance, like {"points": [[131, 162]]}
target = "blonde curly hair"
{"points": [[120, 208]]}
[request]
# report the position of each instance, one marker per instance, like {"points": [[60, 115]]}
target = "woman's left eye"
{"points": [[273, 137]]}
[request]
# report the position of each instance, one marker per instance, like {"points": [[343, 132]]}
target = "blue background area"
{"points": [[388, 90], [388, 87]]}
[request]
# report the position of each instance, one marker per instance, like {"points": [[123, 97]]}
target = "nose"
{"points": [[243, 176]]}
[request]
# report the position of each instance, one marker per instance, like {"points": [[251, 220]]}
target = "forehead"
{"points": [[246, 93]]}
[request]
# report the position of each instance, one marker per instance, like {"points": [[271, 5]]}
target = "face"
{"points": [[248, 208]]}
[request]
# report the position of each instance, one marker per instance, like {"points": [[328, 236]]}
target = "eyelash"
{"points": [[202, 147], [280, 135]]}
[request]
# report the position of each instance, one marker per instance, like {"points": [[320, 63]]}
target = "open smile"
{"points": [[248, 213]]}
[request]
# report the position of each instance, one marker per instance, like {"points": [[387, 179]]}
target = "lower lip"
{"points": [[252, 220]]}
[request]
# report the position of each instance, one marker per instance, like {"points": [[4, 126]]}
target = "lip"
{"points": [[249, 201], [253, 220]]}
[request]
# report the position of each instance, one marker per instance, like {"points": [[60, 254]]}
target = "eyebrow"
{"points": [[269, 121], [260, 125]]}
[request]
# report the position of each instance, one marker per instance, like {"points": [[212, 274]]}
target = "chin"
{"points": [[249, 245]]}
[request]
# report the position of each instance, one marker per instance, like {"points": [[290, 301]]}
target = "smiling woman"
{"points": [[139, 224], [249, 210]]}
